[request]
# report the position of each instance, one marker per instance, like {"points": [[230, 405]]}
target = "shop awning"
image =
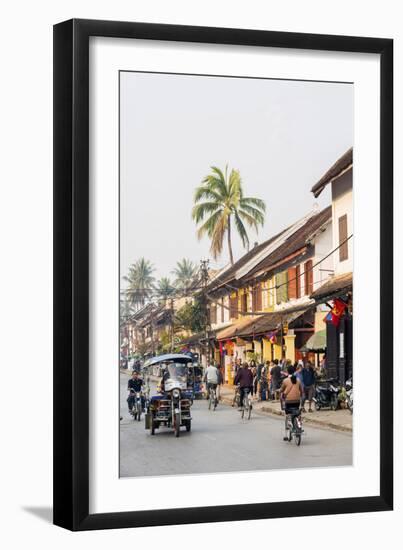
{"points": [[317, 342], [261, 324], [334, 286]]}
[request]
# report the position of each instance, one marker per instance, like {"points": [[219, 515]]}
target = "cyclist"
{"points": [[212, 378], [291, 392], [244, 378]]}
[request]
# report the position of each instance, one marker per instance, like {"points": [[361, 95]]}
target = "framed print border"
{"points": [[72, 285]]}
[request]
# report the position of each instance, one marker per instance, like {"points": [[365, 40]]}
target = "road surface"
{"points": [[221, 441]]}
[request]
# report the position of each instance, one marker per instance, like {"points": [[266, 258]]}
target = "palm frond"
{"points": [[252, 201], [199, 211]]}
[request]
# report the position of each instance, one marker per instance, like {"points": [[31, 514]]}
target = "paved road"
{"points": [[221, 441]]}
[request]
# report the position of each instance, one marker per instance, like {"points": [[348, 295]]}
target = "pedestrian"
{"points": [[245, 380], [263, 382], [298, 372], [308, 380], [275, 373]]}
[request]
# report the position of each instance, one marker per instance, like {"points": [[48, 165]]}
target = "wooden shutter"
{"points": [[259, 306], [343, 250], [244, 302], [281, 287], [308, 277], [213, 314], [298, 281], [233, 305], [292, 283], [257, 297]]}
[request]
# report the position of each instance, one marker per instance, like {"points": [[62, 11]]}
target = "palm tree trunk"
{"points": [[231, 257]]}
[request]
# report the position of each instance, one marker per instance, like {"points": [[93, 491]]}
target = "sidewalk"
{"points": [[341, 420]]}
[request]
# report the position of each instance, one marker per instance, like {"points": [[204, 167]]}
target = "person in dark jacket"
{"points": [[308, 381], [244, 378]]}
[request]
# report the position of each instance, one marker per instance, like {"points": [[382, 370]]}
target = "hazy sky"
{"points": [[281, 135]]}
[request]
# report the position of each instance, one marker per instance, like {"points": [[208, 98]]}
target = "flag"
{"points": [[336, 312], [272, 337]]}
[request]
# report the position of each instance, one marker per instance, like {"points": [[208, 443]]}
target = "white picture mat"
{"points": [[108, 493]]}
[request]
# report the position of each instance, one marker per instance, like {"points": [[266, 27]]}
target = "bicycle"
{"points": [[293, 424], [212, 404], [246, 404]]}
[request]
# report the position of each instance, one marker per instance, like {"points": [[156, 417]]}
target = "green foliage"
{"points": [[190, 317]]}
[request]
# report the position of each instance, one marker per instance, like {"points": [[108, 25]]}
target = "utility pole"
{"points": [[204, 276], [172, 325]]}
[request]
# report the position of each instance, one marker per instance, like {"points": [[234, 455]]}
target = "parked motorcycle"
{"points": [[327, 395]]}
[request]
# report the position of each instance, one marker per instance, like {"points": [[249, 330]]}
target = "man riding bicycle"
{"points": [[212, 378], [291, 392], [244, 378]]}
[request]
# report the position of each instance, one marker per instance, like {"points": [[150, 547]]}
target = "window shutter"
{"points": [[308, 277], [233, 301], [222, 310], [281, 290], [298, 281], [343, 250], [292, 283], [213, 314], [259, 297]]}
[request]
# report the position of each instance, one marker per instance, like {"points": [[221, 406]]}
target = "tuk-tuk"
{"points": [[172, 407]]}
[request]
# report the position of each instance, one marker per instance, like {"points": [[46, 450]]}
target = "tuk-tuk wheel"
{"points": [[177, 425]]}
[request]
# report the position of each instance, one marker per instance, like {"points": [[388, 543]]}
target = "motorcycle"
{"points": [[349, 394], [137, 408], [327, 395], [172, 408]]}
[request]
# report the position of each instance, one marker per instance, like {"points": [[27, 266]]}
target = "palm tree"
{"points": [[223, 205], [140, 282], [185, 274], [165, 288], [126, 308]]}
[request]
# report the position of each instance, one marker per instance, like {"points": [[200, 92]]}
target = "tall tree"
{"points": [[140, 282], [185, 274], [220, 204], [165, 288]]}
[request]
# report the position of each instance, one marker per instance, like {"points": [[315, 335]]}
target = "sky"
{"points": [[281, 135]]}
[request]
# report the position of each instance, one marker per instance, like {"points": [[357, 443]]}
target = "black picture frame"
{"points": [[71, 274]]}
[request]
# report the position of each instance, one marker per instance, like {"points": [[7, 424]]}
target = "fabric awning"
{"points": [[317, 342]]}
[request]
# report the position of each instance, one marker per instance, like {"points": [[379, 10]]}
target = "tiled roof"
{"points": [[294, 243], [339, 166]]}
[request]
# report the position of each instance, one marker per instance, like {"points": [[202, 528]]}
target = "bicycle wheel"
{"points": [[297, 431]]}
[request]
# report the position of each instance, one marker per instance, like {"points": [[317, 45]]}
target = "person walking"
{"points": [[275, 373], [308, 380]]}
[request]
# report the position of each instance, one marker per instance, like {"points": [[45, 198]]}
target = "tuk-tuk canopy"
{"points": [[168, 357]]}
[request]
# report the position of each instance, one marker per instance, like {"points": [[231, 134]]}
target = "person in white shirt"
{"points": [[212, 378]]}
